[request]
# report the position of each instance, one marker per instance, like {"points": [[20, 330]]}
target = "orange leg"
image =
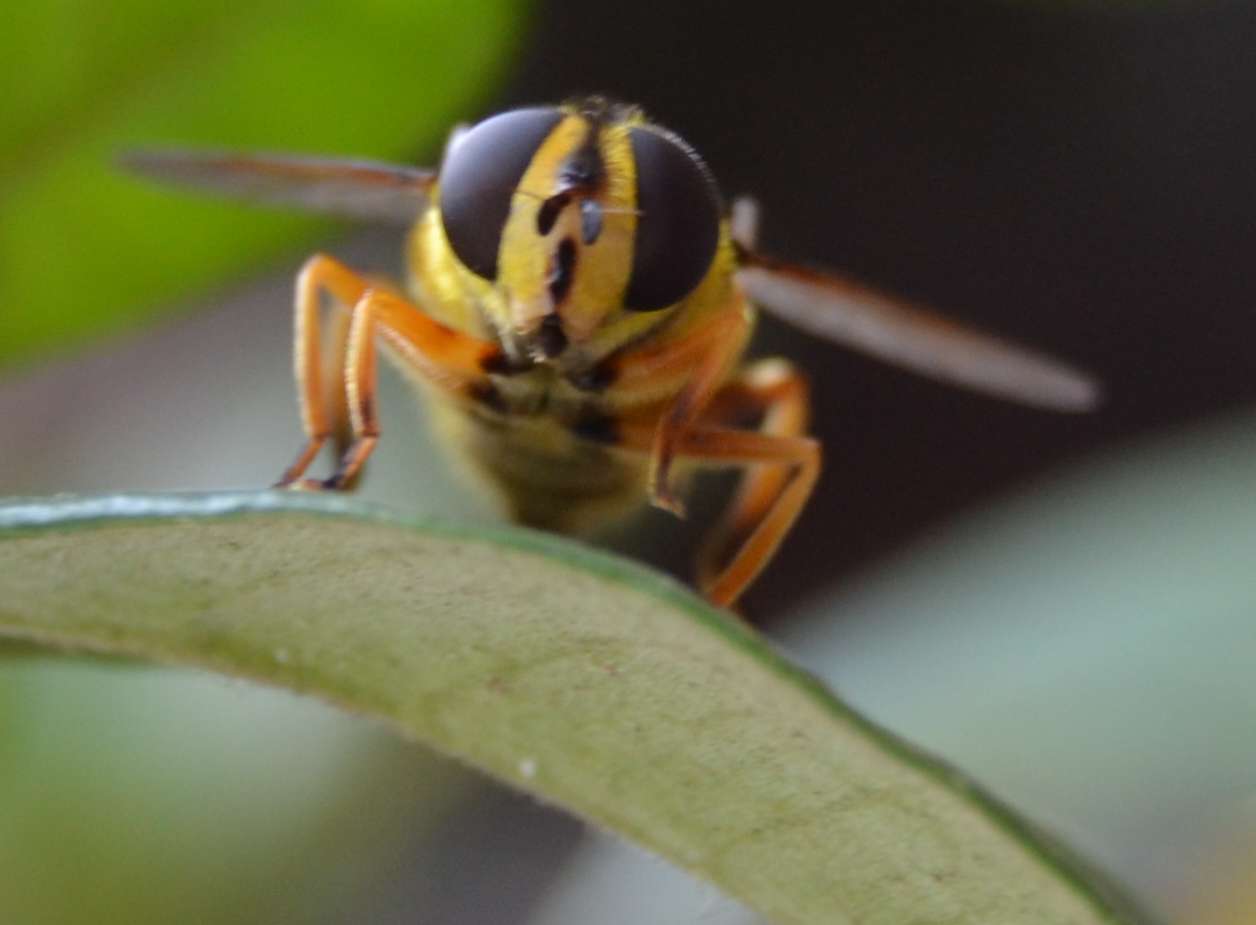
{"points": [[335, 352], [320, 273], [444, 355], [330, 400], [700, 362], [775, 394], [770, 498], [802, 457]]}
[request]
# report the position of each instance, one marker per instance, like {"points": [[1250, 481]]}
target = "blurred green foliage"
{"points": [[85, 250]]}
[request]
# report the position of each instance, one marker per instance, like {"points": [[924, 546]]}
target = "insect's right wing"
{"points": [[847, 312], [349, 188]]}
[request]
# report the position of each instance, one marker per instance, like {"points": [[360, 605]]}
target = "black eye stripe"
{"points": [[678, 224], [584, 168], [560, 278], [479, 178], [547, 215]]}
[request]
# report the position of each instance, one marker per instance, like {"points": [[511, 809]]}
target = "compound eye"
{"points": [[678, 227], [478, 181]]}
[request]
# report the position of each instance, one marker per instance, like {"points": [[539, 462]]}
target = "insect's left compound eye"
{"points": [[678, 225], [478, 181]]}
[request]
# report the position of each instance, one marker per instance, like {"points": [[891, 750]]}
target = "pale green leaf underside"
{"points": [[588, 681]]}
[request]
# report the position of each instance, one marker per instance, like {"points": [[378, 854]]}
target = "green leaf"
{"points": [[587, 680], [85, 250]]}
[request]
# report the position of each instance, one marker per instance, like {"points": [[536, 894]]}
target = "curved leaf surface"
{"points": [[586, 680]]}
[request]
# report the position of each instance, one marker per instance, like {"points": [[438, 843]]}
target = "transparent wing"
{"points": [[841, 310], [350, 188]]}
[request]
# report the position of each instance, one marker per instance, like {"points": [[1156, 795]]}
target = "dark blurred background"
{"points": [[1078, 178]]}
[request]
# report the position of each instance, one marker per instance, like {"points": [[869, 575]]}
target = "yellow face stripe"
{"points": [[601, 268], [524, 257]]}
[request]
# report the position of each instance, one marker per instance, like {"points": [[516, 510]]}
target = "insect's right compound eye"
{"points": [[479, 178]]}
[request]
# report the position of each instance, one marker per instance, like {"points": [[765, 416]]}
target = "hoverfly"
{"points": [[577, 306]]}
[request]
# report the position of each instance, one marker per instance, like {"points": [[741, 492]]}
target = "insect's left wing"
{"points": [[841, 310], [350, 188]]}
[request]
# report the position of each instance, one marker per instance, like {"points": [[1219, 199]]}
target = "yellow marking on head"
{"points": [[602, 268], [593, 316], [524, 257], [592, 313], [441, 285]]}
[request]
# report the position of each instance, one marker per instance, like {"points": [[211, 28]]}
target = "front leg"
{"points": [[713, 350], [447, 357], [319, 274]]}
